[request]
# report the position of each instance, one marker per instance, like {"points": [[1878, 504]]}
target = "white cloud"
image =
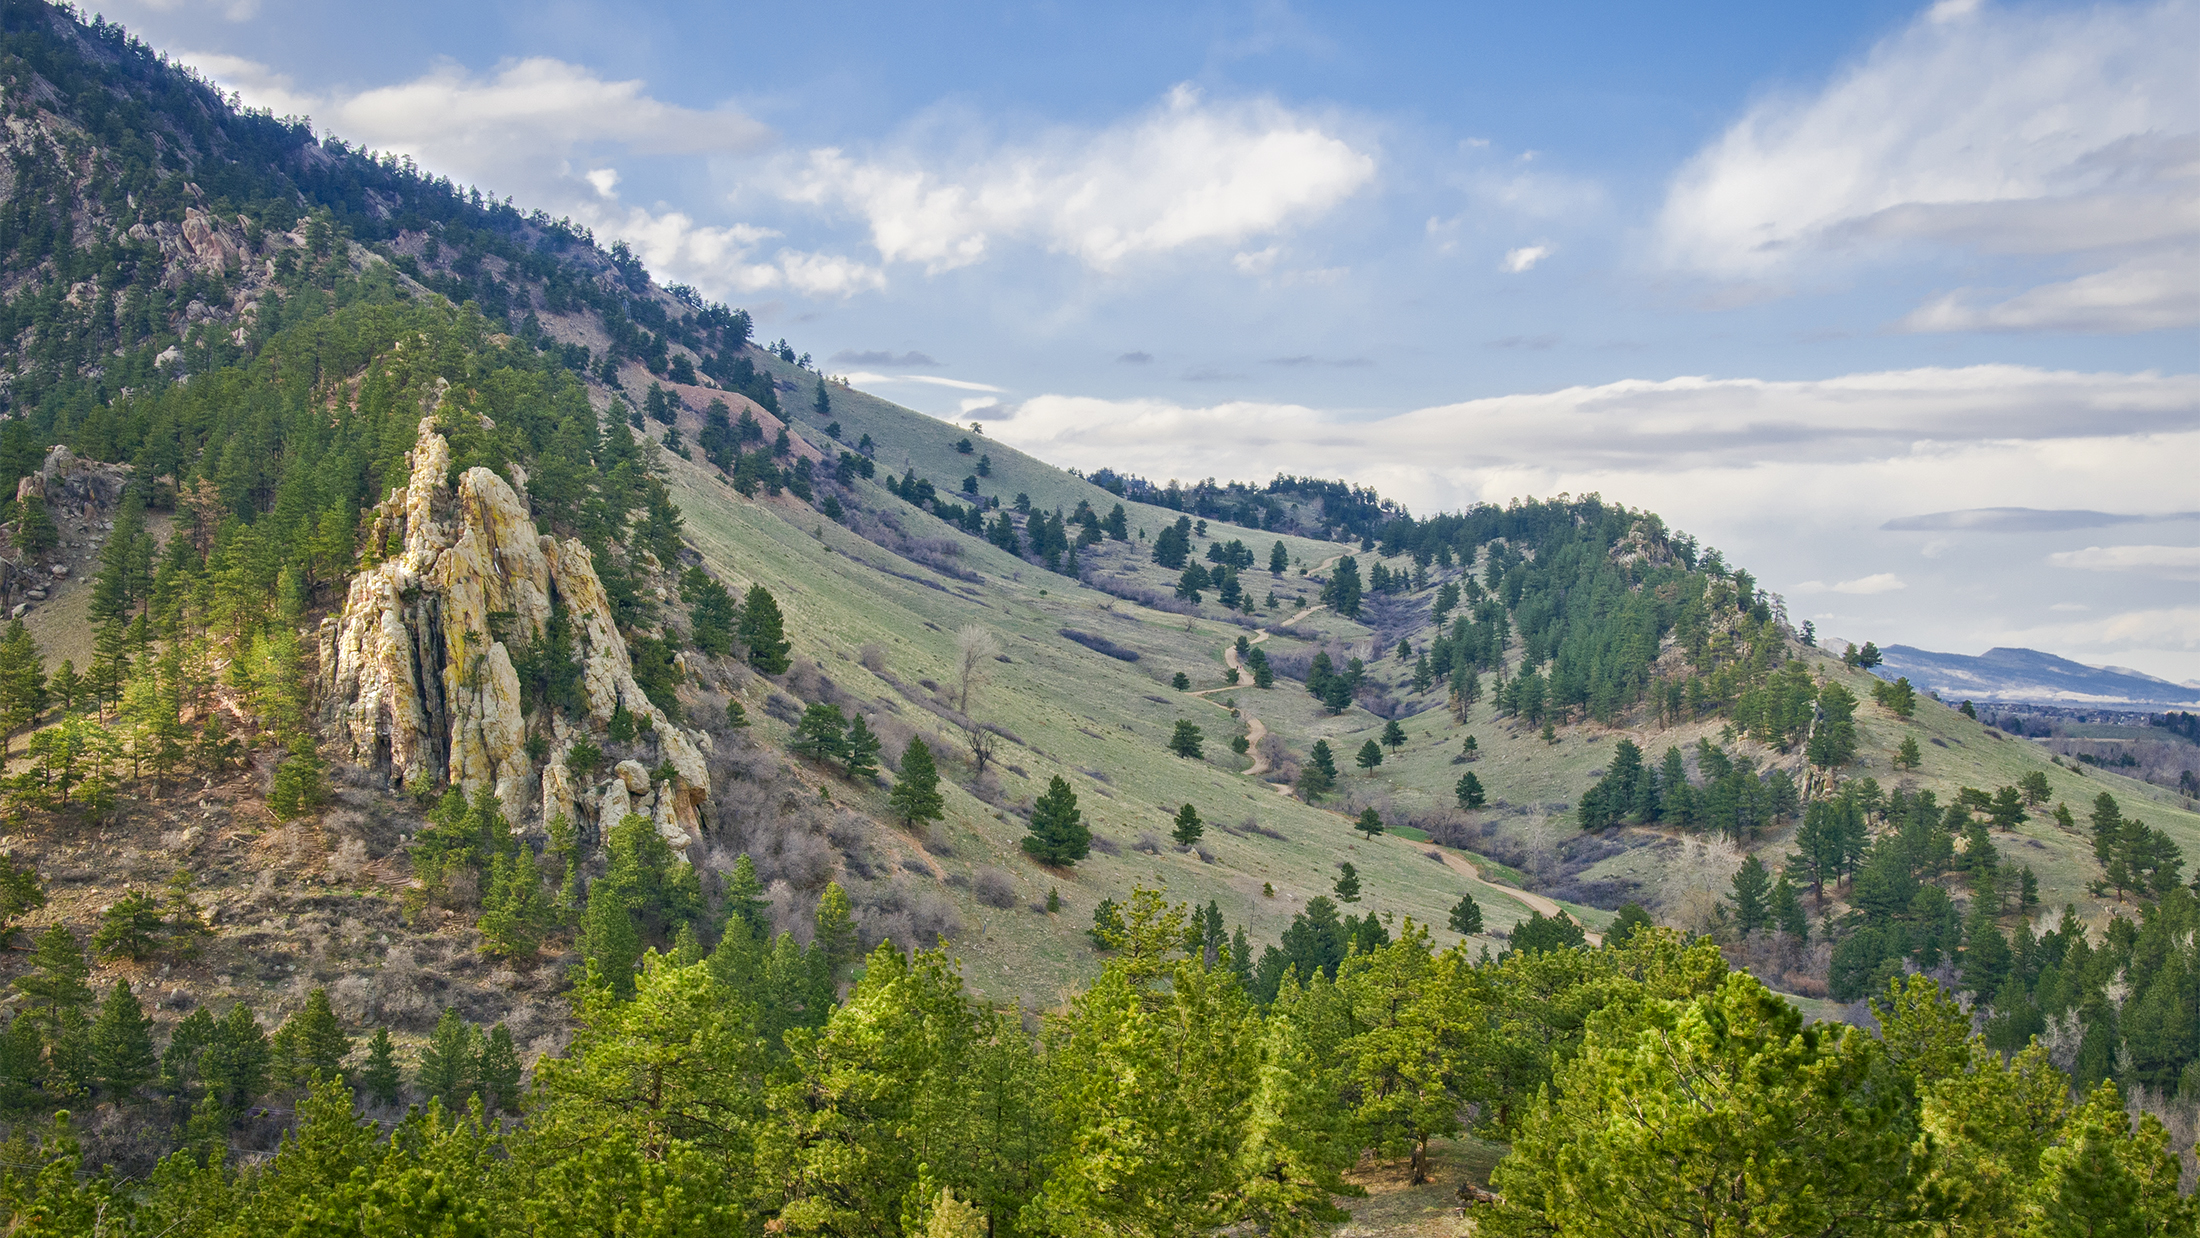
{"points": [[1258, 263], [2173, 562], [2145, 294], [978, 403], [864, 378], [1524, 259], [606, 181], [1190, 172], [2014, 131], [2168, 627], [1963, 435], [1882, 582]]}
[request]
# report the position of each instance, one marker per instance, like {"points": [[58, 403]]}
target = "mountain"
{"points": [[2029, 677]]}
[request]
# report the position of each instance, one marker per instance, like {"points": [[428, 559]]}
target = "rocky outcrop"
{"points": [[417, 679], [73, 486]]}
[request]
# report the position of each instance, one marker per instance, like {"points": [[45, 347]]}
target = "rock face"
{"points": [[417, 680]]}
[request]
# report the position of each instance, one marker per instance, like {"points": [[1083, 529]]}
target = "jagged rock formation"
{"points": [[418, 683]]}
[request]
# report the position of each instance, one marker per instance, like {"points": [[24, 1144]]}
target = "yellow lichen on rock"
{"points": [[416, 676]]}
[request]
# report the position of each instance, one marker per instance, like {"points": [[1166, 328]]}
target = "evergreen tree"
{"points": [[763, 632], [1347, 888], [1188, 828], [1466, 916], [1279, 559], [861, 751], [122, 1045], [1785, 909], [1907, 756], [747, 911], [54, 984], [1186, 741], [1468, 791], [67, 687], [499, 1070], [129, 928], [916, 795], [1370, 823], [821, 734], [380, 1077], [450, 1062], [1370, 756], [1059, 836], [235, 1062], [1751, 889], [1342, 593], [19, 892], [1394, 736], [22, 682], [1630, 919]]}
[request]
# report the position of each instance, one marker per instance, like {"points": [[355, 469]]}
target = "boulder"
{"points": [[634, 776]]}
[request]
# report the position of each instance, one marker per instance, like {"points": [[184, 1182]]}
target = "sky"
{"points": [[1898, 305]]}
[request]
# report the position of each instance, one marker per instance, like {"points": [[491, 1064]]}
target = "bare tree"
{"points": [[981, 743], [975, 650]]}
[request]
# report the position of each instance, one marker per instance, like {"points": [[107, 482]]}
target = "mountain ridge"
{"points": [[2018, 676]]}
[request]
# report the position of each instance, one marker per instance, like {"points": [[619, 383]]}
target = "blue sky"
{"points": [[1790, 275]]}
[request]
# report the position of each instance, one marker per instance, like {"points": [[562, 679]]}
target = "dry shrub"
{"points": [[1106, 845], [872, 657], [912, 917], [994, 888], [349, 860], [1147, 843]]}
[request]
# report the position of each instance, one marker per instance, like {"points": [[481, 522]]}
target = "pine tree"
{"points": [[19, 892], [1059, 836], [380, 1077], [500, 1069], [129, 928], [450, 1062], [916, 795], [316, 1042], [763, 632], [236, 1060], [122, 1045], [67, 686], [1348, 882], [747, 911], [1785, 909], [22, 682], [1394, 736], [821, 734], [1466, 916], [861, 749], [1370, 823], [1188, 827], [181, 918], [1186, 741], [1751, 885], [1370, 756], [1468, 791], [1279, 559], [1907, 756]]}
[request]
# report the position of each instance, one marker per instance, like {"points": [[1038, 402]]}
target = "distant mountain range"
{"points": [[2027, 676]]}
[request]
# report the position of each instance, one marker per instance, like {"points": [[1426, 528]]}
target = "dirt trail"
{"points": [[1534, 902], [1256, 731]]}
